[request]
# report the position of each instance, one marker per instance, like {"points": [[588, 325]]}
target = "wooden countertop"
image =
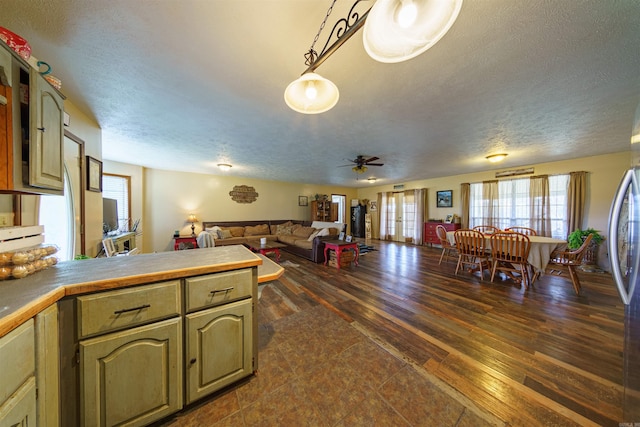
{"points": [[22, 299]]}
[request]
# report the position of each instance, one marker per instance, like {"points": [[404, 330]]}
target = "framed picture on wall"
{"points": [[94, 174], [303, 201], [443, 199]]}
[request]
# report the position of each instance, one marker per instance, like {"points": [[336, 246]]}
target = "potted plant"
{"points": [[576, 238]]}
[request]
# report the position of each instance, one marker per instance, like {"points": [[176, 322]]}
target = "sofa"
{"points": [[302, 238]]}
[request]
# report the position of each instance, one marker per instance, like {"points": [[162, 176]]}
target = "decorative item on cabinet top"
{"points": [[15, 42]]}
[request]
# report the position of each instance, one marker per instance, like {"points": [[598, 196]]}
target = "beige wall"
{"points": [[171, 196]]}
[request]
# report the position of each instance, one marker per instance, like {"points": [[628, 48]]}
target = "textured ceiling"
{"points": [[186, 84]]}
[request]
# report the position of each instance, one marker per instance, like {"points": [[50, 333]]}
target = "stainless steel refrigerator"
{"points": [[624, 250]]}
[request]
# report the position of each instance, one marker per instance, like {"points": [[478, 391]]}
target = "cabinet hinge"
{"points": [[77, 357]]}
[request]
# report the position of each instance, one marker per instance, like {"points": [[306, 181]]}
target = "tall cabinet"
{"points": [[324, 210], [31, 129], [357, 220]]}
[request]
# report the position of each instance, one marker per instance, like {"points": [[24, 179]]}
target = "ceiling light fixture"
{"points": [[495, 158], [224, 166], [359, 169], [396, 30], [371, 180]]}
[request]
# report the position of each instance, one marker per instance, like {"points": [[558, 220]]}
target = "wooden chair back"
{"points": [[470, 242], [441, 232], [486, 229], [572, 259], [510, 247], [524, 230], [109, 247]]}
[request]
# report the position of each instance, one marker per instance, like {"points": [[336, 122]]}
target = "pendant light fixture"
{"points": [[398, 30], [395, 30]]}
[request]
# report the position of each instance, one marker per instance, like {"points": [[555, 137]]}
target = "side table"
{"points": [[339, 246], [183, 242]]}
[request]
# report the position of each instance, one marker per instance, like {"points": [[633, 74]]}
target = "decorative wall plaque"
{"points": [[243, 194]]}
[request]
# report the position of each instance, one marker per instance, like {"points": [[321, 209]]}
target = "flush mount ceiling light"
{"points": [[371, 180], [495, 158], [224, 166], [399, 30]]}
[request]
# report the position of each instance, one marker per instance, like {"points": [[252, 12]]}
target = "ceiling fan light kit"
{"points": [[395, 31]]}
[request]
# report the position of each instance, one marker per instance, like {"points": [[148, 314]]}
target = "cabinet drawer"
{"points": [[17, 359], [214, 289], [113, 310]]}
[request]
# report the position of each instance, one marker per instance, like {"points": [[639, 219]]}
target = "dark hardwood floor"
{"points": [[541, 356]]}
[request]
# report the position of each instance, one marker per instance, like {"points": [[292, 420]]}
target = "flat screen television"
{"points": [[109, 215]]}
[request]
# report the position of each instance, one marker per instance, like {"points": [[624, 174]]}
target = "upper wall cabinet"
{"points": [[31, 129]]}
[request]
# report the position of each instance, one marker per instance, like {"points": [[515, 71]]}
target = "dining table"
{"points": [[539, 253]]}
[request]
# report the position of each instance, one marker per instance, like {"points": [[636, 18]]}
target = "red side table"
{"points": [[180, 243], [339, 246]]}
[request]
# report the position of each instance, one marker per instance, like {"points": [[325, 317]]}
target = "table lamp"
{"points": [[192, 219]]}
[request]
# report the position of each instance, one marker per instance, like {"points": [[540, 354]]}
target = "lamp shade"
{"points": [[192, 218], [311, 94], [398, 30]]}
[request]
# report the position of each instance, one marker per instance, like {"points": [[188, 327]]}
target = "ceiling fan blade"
{"points": [[375, 164], [372, 159]]}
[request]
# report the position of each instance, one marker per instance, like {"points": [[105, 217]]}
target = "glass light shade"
{"points": [[224, 166], [359, 169], [495, 158], [371, 180], [394, 32], [311, 94]]}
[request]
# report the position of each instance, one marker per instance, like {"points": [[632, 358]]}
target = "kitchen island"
{"points": [[129, 312]]}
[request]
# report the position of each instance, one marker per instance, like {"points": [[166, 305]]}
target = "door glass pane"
{"points": [[57, 217]]}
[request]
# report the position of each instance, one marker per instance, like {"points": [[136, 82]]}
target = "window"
{"points": [[118, 187], [511, 206]]}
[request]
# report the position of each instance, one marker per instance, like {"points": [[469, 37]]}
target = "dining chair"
{"points": [[486, 229], [447, 248], [524, 230], [471, 250], [509, 253], [571, 259], [110, 249]]}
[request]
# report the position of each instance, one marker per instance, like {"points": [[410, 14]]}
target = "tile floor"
{"points": [[316, 369]]}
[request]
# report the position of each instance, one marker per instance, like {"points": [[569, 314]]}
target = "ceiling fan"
{"points": [[361, 163]]}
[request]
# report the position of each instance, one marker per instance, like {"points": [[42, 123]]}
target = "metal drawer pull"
{"points": [[126, 310], [222, 290]]}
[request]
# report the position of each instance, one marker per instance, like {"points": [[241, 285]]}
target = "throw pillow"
{"points": [[303, 232], [283, 229], [224, 234], [314, 234], [256, 230], [323, 232], [333, 231], [235, 231]]}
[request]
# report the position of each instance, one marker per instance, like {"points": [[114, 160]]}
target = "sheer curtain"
{"points": [[414, 214], [485, 212], [387, 214], [576, 196], [540, 216]]}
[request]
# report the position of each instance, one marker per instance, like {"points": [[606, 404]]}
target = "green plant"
{"points": [[79, 257], [576, 237]]}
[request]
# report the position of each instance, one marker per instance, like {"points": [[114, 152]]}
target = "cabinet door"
{"points": [[47, 367], [132, 377], [46, 149], [219, 348], [20, 409]]}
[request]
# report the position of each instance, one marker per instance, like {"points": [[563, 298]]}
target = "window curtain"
{"points": [[415, 201], [540, 216], [490, 198], [465, 194], [576, 197], [386, 213]]}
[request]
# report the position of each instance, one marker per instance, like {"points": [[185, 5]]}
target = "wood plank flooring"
{"points": [[535, 357]]}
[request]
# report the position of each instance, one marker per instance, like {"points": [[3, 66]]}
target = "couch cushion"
{"points": [[286, 228], [323, 232], [235, 231], [256, 230], [303, 243], [224, 234], [288, 239], [314, 234], [303, 232]]}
